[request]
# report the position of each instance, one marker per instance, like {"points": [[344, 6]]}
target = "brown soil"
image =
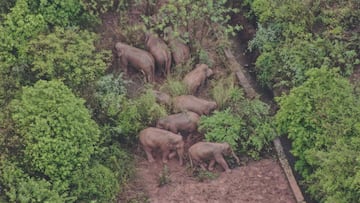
{"points": [[258, 181]]}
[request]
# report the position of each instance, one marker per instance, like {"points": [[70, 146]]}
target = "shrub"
{"points": [[174, 87], [68, 55], [224, 90], [150, 111], [200, 19], [244, 124], [321, 118], [97, 183], [119, 161], [164, 176], [222, 126], [110, 91]]}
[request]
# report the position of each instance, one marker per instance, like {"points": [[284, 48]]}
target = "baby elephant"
{"points": [[154, 138], [204, 151]]}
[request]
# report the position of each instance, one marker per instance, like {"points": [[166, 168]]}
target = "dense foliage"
{"points": [[197, 23], [321, 117], [295, 36], [51, 150], [244, 124], [65, 125], [57, 139]]}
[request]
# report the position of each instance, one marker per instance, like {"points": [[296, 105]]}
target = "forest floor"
{"points": [[256, 182]]}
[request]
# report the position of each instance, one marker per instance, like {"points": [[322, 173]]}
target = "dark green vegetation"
{"points": [[66, 126], [311, 48]]}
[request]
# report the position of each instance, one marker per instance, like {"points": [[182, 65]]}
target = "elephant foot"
{"points": [[165, 161], [211, 168], [228, 171], [151, 160]]}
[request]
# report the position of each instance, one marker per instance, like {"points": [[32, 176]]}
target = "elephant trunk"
{"points": [[237, 158]]}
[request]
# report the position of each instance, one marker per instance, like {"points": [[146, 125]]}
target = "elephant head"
{"points": [[177, 144], [227, 150]]}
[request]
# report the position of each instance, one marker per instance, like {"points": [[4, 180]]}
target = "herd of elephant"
{"points": [[169, 131], [187, 109], [158, 54]]}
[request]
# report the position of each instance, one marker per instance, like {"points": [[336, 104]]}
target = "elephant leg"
{"points": [[220, 159], [203, 165], [211, 164], [165, 156], [148, 154]]}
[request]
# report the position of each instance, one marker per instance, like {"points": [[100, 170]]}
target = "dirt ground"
{"points": [[256, 182]]}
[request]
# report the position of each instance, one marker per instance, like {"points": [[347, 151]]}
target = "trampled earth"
{"points": [[256, 182]]}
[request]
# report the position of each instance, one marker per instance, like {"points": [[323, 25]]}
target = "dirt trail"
{"points": [[256, 182]]}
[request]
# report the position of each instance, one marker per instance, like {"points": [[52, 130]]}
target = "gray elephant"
{"points": [[197, 77], [169, 143], [186, 122], [179, 50], [158, 48], [137, 58], [213, 152], [191, 103]]}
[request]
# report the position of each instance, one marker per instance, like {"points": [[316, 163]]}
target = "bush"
{"points": [[19, 187], [174, 87], [68, 55], [150, 111], [97, 183], [57, 131], [200, 19], [321, 117], [110, 91], [244, 124], [224, 90], [222, 126], [119, 161], [297, 36]]}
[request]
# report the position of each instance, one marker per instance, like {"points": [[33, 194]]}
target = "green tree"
{"points": [[195, 21], [244, 124], [300, 35], [320, 117], [68, 55], [18, 26], [58, 133]]}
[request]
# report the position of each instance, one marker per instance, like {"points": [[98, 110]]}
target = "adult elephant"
{"points": [[155, 138], [158, 48], [185, 122], [179, 50], [197, 77], [191, 103], [137, 58], [213, 152]]}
